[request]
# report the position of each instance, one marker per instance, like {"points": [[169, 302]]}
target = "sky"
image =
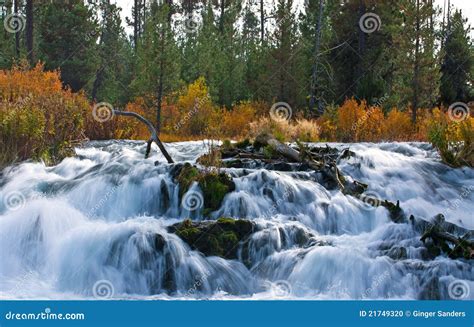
{"points": [[467, 7]]}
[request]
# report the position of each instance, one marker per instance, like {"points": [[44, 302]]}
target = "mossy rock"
{"points": [[214, 186], [214, 238], [187, 175], [243, 144]]}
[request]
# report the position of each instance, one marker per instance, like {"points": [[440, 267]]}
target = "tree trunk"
{"points": [[417, 64], [221, 18], [361, 46], [136, 18], [17, 34], [262, 22], [99, 76], [29, 32], [151, 128], [314, 76]]}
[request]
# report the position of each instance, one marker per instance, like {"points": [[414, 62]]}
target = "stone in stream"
{"points": [[214, 185], [214, 238]]}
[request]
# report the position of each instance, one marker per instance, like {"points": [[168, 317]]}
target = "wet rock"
{"points": [[214, 238], [214, 185], [398, 253]]}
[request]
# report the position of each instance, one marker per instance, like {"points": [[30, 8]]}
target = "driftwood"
{"points": [[442, 233], [320, 164], [151, 128], [438, 235]]}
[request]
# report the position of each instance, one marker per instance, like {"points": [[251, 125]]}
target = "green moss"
{"points": [[242, 144], [214, 186], [214, 238], [269, 152], [226, 144], [224, 220], [186, 177]]}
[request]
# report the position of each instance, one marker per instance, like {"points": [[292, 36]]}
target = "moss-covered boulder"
{"points": [[214, 185], [214, 238]]}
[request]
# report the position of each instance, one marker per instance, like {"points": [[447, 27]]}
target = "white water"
{"points": [[97, 218]]}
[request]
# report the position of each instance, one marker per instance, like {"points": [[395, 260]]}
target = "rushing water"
{"points": [[90, 227]]}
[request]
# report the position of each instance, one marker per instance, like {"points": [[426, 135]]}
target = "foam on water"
{"points": [[102, 216]]}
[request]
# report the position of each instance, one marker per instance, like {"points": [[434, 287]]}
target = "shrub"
{"points": [[236, 121], [39, 119], [370, 127], [351, 117], [196, 110], [453, 140], [398, 126], [302, 129]]}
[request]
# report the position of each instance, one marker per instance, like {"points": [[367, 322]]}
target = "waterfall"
{"points": [[96, 225]]}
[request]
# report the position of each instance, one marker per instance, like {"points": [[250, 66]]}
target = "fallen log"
{"points": [[151, 128], [329, 169], [439, 231], [286, 151]]}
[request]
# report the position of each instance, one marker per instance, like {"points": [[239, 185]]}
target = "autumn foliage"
{"points": [[39, 119], [42, 120]]}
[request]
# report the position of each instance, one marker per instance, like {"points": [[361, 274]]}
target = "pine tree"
{"points": [[115, 56], [157, 71], [416, 70], [457, 69], [67, 40]]}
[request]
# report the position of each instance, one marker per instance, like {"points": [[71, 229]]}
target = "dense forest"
{"points": [[347, 70], [241, 150]]}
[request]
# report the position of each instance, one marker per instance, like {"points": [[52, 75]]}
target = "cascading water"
{"points": [[98, 223]]}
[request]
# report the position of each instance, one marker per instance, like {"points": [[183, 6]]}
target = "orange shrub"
{"points": [[351, 117], [370, 127], [38, 118], [196, 112], [236, 121], [398, 126]]}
